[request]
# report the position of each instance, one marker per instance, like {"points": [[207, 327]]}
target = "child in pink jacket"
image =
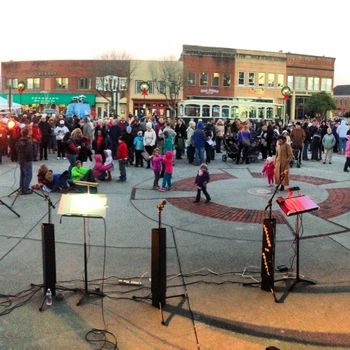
{"points": [[347, 154], [168, 171], [100, 170]]}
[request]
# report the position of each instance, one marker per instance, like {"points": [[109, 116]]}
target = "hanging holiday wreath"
{"points": [[286, 92]]}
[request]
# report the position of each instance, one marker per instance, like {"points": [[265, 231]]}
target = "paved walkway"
{"points": [[212, 249]]}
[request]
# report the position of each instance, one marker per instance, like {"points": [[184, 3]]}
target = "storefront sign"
{"points": [[49, 99], [209, 91]]}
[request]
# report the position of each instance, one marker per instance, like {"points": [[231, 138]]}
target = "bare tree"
{"points": [[167, 76]]}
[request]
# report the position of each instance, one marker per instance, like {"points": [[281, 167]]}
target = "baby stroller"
{"points": [[254, 151], [231, 149], [295, 158]]}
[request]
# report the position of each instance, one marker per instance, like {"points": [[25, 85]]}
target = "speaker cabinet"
{"points": [[268, 255], [49, 257], [158, 272]]}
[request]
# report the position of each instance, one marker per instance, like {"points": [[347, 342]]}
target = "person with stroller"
{"points": [[297, 137], [244, 144]]}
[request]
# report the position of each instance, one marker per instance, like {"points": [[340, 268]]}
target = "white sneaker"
{"points": [[64, 158], [58, 158]]}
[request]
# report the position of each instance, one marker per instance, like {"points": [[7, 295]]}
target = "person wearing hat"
{"points": [[59, 131], [284, 155], [149, 140], [298, 137]]}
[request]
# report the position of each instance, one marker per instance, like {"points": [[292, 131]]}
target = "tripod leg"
{"points": [[42, 303], [161, 314], [8, 207]]}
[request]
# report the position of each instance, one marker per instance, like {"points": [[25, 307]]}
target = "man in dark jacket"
{"points": [[25, 157], [45, 129]]}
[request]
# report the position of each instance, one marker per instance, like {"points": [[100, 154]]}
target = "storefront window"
{"points": [[234, 112], [62, 83], [215, 79], [269, 112], [261, 112], [252, 112], [33, 83], [227, 79], [290, 82], [261, 79], [162, 87], [203, 81]]}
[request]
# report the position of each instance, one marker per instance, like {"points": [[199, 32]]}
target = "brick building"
{"points": [[342, 99]]}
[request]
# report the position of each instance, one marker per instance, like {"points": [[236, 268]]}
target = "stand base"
{"points": [[90, 294], [8, 207], [297, 281]]}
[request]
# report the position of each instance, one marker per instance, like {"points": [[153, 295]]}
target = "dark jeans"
{"points": [[26, 174], [60, 149], [156, 178], [347, 163], [305, 150], [205, 192], [43, 149], [122, 169], [139, 158], [149, 150], [190, 154]]}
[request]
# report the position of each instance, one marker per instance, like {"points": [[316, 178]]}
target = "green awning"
{"points": [[48, 98]]}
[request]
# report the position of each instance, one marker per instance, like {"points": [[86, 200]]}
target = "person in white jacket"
{"points": [[60, 131], [149, 140]]}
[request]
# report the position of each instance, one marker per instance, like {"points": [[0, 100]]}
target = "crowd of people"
{"points": [[157, 143]]}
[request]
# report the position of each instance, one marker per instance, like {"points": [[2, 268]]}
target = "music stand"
{"points": [[297, 206], [9, 207], [84, 206]]}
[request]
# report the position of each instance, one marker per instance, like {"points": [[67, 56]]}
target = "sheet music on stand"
{"points": [[83, 205], [296, 205]]}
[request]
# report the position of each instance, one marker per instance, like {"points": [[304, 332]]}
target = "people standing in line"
{"points": [[25, 157], [328, 143], [342, 130], [122, 156], [201, 182], [347, 154], [168, 171], [284, 155], [60, 130]]}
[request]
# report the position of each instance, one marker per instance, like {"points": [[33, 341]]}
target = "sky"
{"points": [[155, 29]]}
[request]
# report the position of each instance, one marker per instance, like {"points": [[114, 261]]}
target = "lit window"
{"points": [[326, 84], [215, 79], [62, 83], [33, 83], [280, 80], [290, 82], [271, 80], [300, 83], [240, 78], [13, 83], [203, 81], [313, 83], [251, 79], [227, 79], [84, 84], [261, 79]]}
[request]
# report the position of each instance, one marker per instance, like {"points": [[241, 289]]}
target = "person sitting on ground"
{"points": [[100, 170], [42, 171], [56, 182], [80, 173]]}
